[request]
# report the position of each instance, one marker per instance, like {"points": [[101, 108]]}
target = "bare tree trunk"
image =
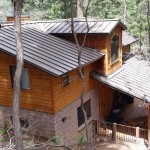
{"points": [[79, 48], [79, 8], [148, 21], [17, 78], [125, 10], [141, 27]]}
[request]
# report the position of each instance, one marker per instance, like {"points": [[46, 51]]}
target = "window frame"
{"points": [[112, 50], [80, 115], [12, 78], [66, 75]]}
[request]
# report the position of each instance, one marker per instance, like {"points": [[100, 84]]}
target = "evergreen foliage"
{"points": [[132, 12]]}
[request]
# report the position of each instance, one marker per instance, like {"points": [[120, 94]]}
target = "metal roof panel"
{"points": [[54, 55]]}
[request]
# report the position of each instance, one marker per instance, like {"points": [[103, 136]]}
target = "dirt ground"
{"points": [[121, 145]]}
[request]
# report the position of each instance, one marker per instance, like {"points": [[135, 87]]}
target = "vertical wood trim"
{"points": [[51, 93], [149, 123], [137, 132]]}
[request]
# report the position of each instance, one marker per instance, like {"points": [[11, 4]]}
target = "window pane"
{"points": [[87, 107], [80, 116], [65, 79], [25, 84], [114, 48]]}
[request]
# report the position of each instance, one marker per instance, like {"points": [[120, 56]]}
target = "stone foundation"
{"points": [[69, 132], [48, 125], [38, 123]]}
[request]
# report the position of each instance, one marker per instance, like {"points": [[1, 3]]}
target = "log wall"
{"points": [[39, 97], [106, 95], [46, 94], [101, 42], [64, 95]]}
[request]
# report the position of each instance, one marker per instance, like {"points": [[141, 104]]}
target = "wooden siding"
{"points": [[125, 49], [101, 42], [112, 67], [149, 123], [64, 95], [106, 95], [47, 93], [39, 97]]}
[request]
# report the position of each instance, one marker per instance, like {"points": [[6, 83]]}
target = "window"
{"points": [[65, 79], [114, 48], [24, 123], [87, 107], [25, 83]]}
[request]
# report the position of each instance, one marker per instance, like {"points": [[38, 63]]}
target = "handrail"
{"points": [[119, 131]]}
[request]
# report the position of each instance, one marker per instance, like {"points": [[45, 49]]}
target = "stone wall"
{"points": [[48, 125], [68, 131], [39, 123]]}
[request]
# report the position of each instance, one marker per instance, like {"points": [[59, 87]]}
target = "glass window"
{"points": [[25, 83], [87, 107], [65, 79], [114, 48]]}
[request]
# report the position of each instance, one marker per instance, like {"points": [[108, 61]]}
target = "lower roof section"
{"points": [[133, 78]]}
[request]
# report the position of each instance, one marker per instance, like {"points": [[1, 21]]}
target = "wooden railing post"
{"points": [[149, 123], [97, 126], [114, 131], [137, 132]]}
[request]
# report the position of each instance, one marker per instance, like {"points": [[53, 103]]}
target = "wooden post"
{"points": [[149, 124], [98, 126], [114, 131], [137, 132]]}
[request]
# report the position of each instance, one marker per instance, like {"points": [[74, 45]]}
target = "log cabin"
{"points": [[51, 85]]}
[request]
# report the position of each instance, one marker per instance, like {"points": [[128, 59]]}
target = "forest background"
{"points": [[133, 13]]}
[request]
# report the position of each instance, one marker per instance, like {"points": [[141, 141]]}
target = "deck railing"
{"points": [[118, 131]]}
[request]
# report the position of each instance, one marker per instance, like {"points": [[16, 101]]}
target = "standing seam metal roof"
{"points": [[133, 78], [54, 55], [127, 38], [80, 26]]}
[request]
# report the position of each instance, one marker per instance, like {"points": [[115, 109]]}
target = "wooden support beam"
{"points": [[114, 131], [149, 124], [137, 132]]}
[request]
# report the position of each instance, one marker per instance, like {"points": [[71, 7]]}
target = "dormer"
{"points": [[104, 35]]}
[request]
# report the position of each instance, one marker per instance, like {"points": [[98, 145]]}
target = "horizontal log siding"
{"points": [[101, 42], [112, 67], [64, 95], [39, 97]]}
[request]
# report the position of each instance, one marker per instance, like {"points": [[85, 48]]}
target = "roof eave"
{"points": [[110, 84], [119, 23]]}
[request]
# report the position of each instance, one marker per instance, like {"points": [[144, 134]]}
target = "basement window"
{"points": [[65, 79], [25, 83], [114, 48], [87, 107], [24, 123]]}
